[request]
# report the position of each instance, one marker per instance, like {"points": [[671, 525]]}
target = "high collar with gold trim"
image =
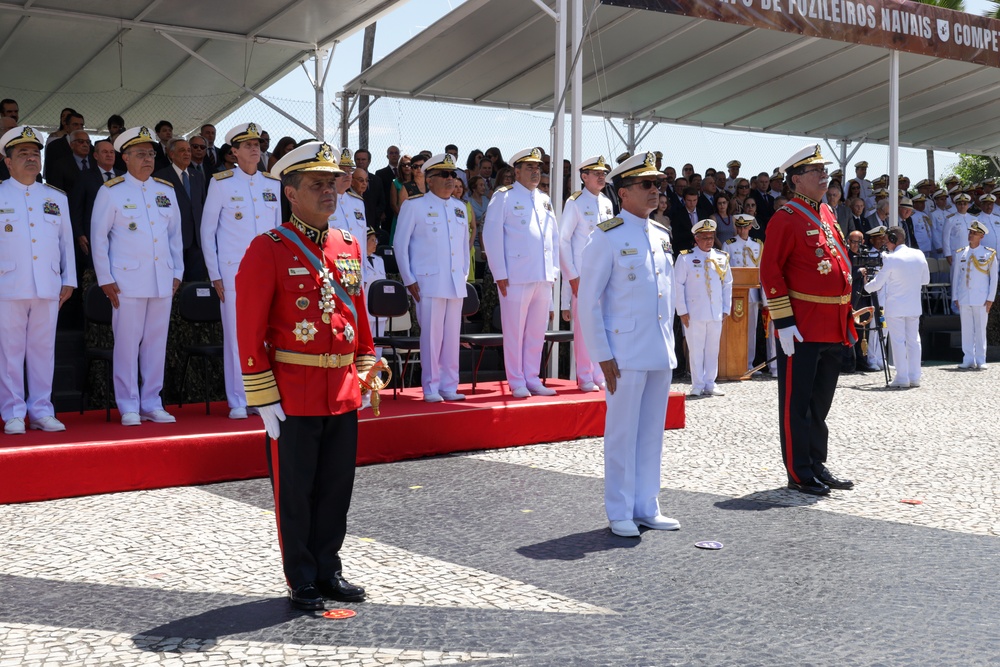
{"points": [[807, 200], [317, 236]]}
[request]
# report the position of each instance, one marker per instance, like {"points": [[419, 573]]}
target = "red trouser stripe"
{"points": [[275, 482], [787, 399]]}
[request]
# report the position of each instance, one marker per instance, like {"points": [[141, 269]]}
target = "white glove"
{"points": [[272, 415], [787, 338]]}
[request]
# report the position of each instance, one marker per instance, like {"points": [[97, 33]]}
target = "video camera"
{"points": [[868, 258]]}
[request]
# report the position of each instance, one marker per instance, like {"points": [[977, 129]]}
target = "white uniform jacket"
{"points": [[626, 295], [581, 214], [135, 237], [745, 254], [432, 245], [703, 284], [956, 232], [923, 231], [904, 271], [36, 242], [520, 236], [350, 215], [238, 208], [974, 276]]}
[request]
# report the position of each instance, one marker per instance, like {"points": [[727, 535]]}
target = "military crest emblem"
{"points": [[144, 134], [325, 153]]}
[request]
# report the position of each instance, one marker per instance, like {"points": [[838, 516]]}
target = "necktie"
{"points": [[83, 164], [187, 182], [371, 262], [107, 176]]}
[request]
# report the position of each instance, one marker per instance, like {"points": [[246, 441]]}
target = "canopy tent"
{"points": [[663, 67], [191, 62]]}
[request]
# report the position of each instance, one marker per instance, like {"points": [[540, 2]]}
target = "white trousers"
{"points": [[524, 315], [905, 335], [27, 334], [440, 326], [753, 310], [875, 350], [140, 328], [973, 320], [703, 337], [587, 369], [633, 444], [236, 396]]}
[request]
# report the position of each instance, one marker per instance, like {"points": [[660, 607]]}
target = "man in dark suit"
{"points": [[189, 191], [83, 194], [60, 151], [683, 218], [199, 156], [64, 172], [762, 195], [706, 200], [207, 132], [374, 196], [880, 217], [388, 173], [164, 132]]}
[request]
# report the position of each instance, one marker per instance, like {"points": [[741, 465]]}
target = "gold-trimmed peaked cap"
{"points": [[313, 156], [987, 198], [441, 161], [962, 198], [733, 163], [706, 225], [133, 137], [595, 163], [806, 155], [347, 159], [745, 220], [22, 134], [243, 132], [527, 155], [976, 226], [637, 166]]}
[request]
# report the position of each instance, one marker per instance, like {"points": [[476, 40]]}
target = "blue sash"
{"points": [[816, 220], [317, 267]]}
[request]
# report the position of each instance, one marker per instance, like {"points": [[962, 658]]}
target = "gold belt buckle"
{"points": [[324, 361]]}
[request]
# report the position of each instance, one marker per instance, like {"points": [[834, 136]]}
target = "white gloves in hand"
{"points": [[787, 338], [273, 415]]}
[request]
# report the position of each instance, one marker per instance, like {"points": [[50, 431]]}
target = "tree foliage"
{"points": [[973, 168]]}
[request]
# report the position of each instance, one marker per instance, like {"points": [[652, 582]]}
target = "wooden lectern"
{"points": [[733, 348]]}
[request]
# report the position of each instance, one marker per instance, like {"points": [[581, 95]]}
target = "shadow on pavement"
{"points": [[215, 623], [759, 501], [578, 545]]}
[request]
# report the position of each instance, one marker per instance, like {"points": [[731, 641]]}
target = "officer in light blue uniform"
{"points": [[138, 255], [350, 213], [241, 203], [37, 275], [626, 302]]}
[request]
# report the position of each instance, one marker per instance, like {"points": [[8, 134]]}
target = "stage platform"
{"points": [[94, 456]]}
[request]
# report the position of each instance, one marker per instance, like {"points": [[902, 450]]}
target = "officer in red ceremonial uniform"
{"points": [[805, 273], [299, 292]]}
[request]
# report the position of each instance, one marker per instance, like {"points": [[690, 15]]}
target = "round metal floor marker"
{"points": [[339, 613], [712, 546]]}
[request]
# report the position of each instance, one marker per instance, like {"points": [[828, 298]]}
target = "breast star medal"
{"points": [[349, 333], [305, 331], [824, 267]]}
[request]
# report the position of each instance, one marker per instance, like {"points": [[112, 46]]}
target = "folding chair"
{"points": [[199, 303], [389, 298]]}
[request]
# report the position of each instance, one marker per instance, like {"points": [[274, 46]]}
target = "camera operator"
{"points": [[904, 272], [871, 261]]}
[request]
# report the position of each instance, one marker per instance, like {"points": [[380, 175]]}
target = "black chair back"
{"points": [[199, 302], [470, 305], [96, 305], [495, 321], [388, 256], [387, 298]]}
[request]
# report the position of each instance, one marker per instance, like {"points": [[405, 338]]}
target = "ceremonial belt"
{"points": [[292, 239], [813, 298], [314, 360]]}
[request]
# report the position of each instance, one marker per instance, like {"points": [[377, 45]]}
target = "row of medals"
{"points": [[326, 302]]}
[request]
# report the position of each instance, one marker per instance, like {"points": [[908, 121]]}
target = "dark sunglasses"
{"points": [[645, 185], [444, 174]]}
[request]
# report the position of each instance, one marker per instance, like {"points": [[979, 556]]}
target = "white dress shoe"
{"points": [[624, 528], [589, 386], [160, 416], [714, 391], [982, 367], [432, 398], [131, 419], [658, 522], [521, 392], [914, 384], [452, 396], [542, 390], [695, 393], [48, 424], [898, 385], [14, 426], [238, 413]]}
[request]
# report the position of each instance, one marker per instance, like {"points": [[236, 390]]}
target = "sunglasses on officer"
{"points": [[443, 173], [645, 185]]}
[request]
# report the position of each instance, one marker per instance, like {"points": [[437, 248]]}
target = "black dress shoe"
{"points": [[340, 589], [813, 487], [827, 478], [306, 597]]}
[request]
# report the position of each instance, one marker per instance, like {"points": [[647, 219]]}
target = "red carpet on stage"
{"points": [[95, 456]]}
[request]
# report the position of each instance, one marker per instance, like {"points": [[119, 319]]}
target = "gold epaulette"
{"points": [[575, 195], [268, 174], [415, 196], [504, 188], [165, 182], [261, 389], [355, 195], [962, 249], [608, 225], [685, 252], [952, 215], [222, 175], [656, 224], [732, 240], [114, 181], [55, 188]]}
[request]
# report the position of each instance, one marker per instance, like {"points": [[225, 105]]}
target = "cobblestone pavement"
{"points": [[503, 557]]}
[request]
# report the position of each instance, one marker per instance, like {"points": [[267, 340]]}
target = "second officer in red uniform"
{"points": [[805, 273], [304, 341]]}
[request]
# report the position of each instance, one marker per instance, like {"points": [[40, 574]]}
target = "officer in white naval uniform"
{"points": [[974, 288], [350, 214], [703, 295], [923, 226], [432, 251], [904, 272], [37, 275], [138, 257], [626, 317], [241, 203], [989, 219], [956, 226], [374, 270], [745, 252], [861, 171], [521, 240], [581, 214]]}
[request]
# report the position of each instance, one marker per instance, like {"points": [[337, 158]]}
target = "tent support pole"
{"points": [[894, 139]]}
